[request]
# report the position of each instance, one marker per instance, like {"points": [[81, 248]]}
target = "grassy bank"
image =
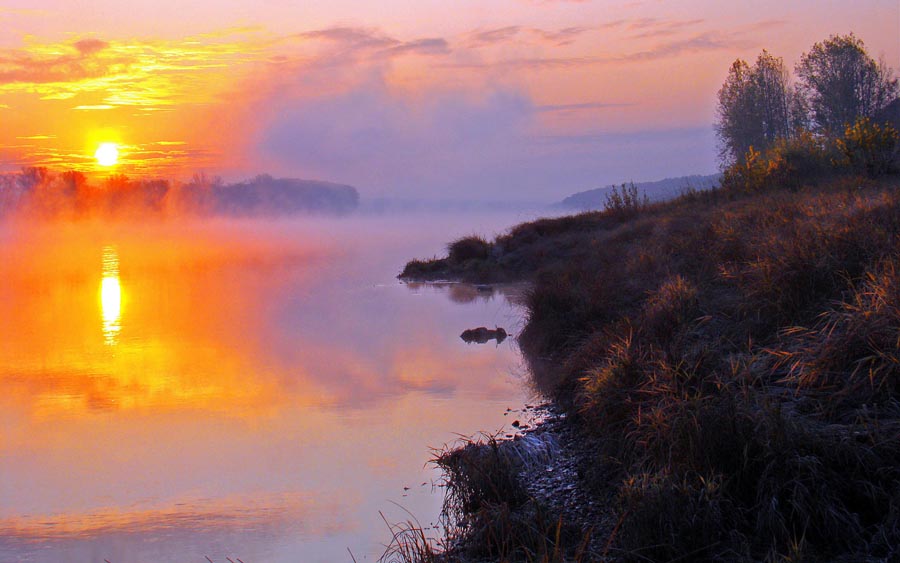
{"points": [[729, 365]]}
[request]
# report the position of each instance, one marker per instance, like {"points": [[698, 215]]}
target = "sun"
{"points": [[107, 154]]}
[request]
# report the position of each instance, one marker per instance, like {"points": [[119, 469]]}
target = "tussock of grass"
{"points": [[488, 513], [409, 543], [852, 356], [468, 248]]}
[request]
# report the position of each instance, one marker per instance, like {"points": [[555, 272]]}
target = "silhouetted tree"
{"points": [[72, 181], [841, 83], [33, 176], [756, 107]]}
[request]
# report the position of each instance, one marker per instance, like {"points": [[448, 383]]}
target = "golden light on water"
{"points": [[111, 296], [107, 154]]}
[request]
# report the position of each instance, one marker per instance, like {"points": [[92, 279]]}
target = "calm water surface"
{"points": [[234, 389]]}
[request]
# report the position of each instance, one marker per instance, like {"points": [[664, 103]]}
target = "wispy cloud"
{"points": [[764, 25], [501, 35], [58, 63], [565, 36], [139, 73], [653, 27], [94, 107], [429, 46], [493, 36], [587, 106], [697, 43], [351, 44], [551, 2], [613, 24]]}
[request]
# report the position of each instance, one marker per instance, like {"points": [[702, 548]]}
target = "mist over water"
{"points": [[234, 388]]}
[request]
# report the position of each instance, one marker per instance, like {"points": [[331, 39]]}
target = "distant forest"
{"points": [[39, 192]]}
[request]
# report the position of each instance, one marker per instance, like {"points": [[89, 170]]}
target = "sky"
{"points": [[413, 99]]}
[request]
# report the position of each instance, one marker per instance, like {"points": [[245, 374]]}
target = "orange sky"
{"points": [[438, 99]]}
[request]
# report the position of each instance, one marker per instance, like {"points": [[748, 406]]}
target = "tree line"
{"points": [[41, 192], [840, 93]]}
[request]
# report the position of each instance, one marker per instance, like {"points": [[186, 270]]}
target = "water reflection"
{"points": [[111, 296], [248, 364], [464, 293]]}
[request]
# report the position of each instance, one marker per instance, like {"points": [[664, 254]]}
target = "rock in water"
{"points": [[482, 334]]}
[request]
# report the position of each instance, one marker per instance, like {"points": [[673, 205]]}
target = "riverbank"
{"points": [[727, 367]]}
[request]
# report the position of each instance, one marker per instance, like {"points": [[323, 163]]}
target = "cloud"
{"points": [[373, 132], [701, 42], [493, 36], [94, 107], [565, 36], [551, 2], [90, 46], [653, 27], [51, 64], [354, 43], [135, 73], [500, 35], [430, 46], [581, 107], [350, 104], [475, 141], [355, 37], [764, 25], [613, 24]]}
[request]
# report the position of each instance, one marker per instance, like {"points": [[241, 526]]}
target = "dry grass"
{"points": [[468, 248], [733, 360], [488, 513]]}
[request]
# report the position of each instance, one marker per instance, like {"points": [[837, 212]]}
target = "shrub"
{"points": [[789, 163], [748, 175], [625, 201], [802, 159], [869, 148]]}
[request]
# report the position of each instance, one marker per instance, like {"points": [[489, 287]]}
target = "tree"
{"points": [[756, 107], [735, 126], [841, 83], [772, 95]]}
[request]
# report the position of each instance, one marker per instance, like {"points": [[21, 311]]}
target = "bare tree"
{"points": [[841, 83], [756, 107]]}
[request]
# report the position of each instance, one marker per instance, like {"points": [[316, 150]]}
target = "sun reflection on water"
{"points": [[111, 296]]}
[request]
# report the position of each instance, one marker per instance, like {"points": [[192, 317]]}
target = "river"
{"points": [[262, 391]]}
